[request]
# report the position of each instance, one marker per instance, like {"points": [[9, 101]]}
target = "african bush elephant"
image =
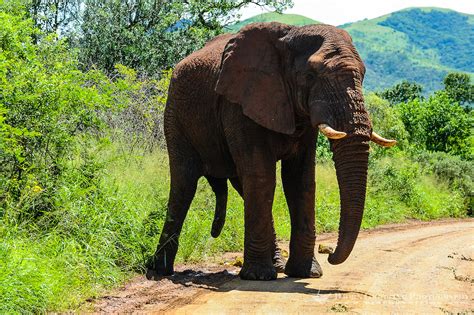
{"points": [[248, 100]]}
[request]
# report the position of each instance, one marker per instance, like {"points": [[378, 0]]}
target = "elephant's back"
{"points": [[192, 109], [194, 78], [203, 63]]}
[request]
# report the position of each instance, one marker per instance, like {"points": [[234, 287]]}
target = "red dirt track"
{"points": [[422, 268]]}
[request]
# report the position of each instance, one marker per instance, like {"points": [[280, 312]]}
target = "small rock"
{"points": [[238, 262], [324, 249]]}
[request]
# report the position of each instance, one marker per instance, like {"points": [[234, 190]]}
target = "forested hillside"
{"points": [[416, 44]]}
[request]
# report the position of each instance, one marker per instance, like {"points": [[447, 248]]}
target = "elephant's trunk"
{"points": [[351, 162]]}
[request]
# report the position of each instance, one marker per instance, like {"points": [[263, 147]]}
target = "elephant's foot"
{"points": [[258, 271], [278, 261], [308, 268], [158, 267]]}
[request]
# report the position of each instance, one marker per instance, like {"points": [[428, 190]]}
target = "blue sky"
{"points": [[337, 12]]}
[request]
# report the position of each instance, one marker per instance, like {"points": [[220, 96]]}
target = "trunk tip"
{"points": [[334, 259]]}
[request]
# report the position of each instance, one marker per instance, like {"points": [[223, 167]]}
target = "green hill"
{"points": [[291, 19], [415, 44]]}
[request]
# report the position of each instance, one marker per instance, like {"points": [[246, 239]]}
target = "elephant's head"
{"points": [[283, 76]]}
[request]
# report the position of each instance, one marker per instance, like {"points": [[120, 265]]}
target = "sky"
{"points": [[337, 12]]}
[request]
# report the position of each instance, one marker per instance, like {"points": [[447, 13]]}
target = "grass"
{"points": [[101, 235]]}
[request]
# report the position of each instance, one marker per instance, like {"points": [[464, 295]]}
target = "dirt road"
{"points": [[418, 268]]}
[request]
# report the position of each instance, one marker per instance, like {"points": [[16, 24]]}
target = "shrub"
{"points": [[438, 124], [459, 88], [47, 106], [457, 173], [400, 179], [386, 121], [402, 92], [45, 102], [139, 102]]}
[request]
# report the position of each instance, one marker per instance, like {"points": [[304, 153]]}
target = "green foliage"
{"points": [[402, 92], [55, 16], [150, 36], [323, 151], [45, 102], [62, 238], [457, 173], [409, 192], [459, 88], [139, 105], [418, 45], [438, 124], [433, 30], [387, 121]]}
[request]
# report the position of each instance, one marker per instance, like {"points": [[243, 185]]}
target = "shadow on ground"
{"points": [[225, 281]]}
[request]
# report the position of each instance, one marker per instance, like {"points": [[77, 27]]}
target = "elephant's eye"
{"points": [[310, 77]]}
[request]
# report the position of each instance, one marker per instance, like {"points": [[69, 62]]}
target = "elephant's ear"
{"points": [[251, 75]]}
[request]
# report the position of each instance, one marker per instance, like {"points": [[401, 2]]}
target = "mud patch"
{"points": [[166, 293]]}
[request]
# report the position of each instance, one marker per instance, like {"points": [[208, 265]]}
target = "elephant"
{"points": [[248, 100]]}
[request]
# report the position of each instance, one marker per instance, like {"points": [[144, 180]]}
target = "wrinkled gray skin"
{"points": [[248, 100]]}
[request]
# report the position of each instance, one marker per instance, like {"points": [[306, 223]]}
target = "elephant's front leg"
{"points": [[259, 188], [299, 186], [279, 261]]}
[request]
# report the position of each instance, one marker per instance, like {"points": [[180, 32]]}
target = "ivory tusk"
{"points": [[331, 133], [382, 141]]}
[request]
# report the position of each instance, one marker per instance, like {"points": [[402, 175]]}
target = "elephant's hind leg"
{"points": [[219, 186], [185, 172]]}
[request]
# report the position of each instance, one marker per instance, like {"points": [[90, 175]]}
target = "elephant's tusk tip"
{"points": [[374, 137]]}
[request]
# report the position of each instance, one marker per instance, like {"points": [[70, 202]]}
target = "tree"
{"points": [[56, 16], [402, 92], [459, 88], [386, 120], [45, 102], [150, 35], [438, 124]]}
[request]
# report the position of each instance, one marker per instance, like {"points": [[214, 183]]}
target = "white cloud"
{"points": [[338, 12]]}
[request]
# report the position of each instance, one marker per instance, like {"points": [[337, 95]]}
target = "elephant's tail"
{"points": [[219, 186]]}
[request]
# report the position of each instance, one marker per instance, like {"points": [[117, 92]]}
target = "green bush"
{"points": [[387, 122], [457, 173], [139, 102], [45, 102], [400, 179], [400, 183], [64, 233], [48, 106], [459, 88], [403, 92], [438, 124]]}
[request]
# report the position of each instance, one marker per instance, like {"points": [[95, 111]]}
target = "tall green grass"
{"points": [[102, 233]]}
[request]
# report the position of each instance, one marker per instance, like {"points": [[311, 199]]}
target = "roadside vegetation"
{"points": [[83, 166]]}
